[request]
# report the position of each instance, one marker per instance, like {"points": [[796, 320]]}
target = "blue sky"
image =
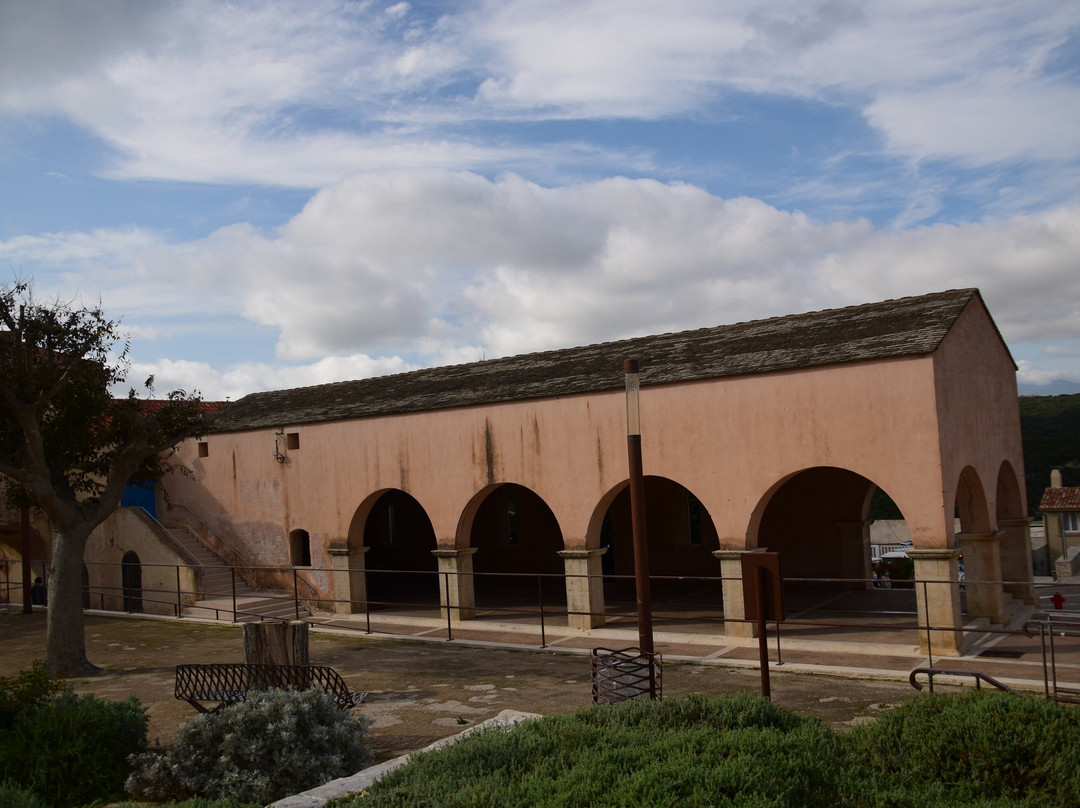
{"points": [[276, 194]]}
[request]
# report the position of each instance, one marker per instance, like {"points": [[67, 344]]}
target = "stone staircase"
{"points": [[1015, 612], [216, 582]]}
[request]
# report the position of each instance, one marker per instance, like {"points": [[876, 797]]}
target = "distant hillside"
{"points": [[1051, 435]]}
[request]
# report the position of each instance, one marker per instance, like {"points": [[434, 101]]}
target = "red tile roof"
{"points": [[1060, 499]]}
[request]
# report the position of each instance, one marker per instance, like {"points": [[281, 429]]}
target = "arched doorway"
{"points": [[681, 541], [299, 548], [514, 533], [1017, 568], [818, 520], [399, 563], [131, 581]]}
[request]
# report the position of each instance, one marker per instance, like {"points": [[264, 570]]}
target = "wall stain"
{"points": [[489, 452], [600, 456]]}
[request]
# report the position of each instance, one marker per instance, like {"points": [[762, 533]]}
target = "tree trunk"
{"points": [[65, 646], [274, 643]]}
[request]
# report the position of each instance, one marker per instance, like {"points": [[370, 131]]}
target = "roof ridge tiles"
{"points": [[896, 327]]}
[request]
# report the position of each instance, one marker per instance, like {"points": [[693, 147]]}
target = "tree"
{"points": [[68, 446]]}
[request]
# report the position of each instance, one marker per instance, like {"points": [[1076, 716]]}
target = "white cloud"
{"points": [[300, 94], [236, 381], [404, 269]]}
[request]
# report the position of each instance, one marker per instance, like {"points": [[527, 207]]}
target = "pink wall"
{"points": [[910, 425]]}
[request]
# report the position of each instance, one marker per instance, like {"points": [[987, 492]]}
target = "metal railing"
{"points": [[537, 603], [211, 532], [163, 532], [1051, 626], [978, 676]]}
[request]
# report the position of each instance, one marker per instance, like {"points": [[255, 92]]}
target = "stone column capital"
{"points": [[734, 554], [572, 554], [942, 554], [454, 552], [972, 538], [346, 551]]}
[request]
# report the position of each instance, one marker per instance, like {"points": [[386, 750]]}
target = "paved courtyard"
{"points": [[421, 690]]}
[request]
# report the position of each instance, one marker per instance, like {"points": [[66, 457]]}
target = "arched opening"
{"points": [[299, 548], [1018, 556], [819, 521], [514, 531], [400, 540], [681, 541], [85, 587], [971, 507], [131, 581]]}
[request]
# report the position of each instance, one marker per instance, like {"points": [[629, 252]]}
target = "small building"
{"points": [[1060, 507]]}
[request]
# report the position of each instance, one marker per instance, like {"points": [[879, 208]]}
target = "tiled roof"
{"points": [[1060, 499], [905, 327]]}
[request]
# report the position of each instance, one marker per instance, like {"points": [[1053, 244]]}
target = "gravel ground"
{"points": [[420, 691]]}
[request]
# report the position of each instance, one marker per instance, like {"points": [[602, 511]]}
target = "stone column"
{"points": [[855, 554], [982, 575], [350, 579], [734, 607], [456, 592], [937, 593], [584, 588], [1016, 567]]}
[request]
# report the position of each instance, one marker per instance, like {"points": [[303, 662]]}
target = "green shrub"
{"points": [[940, 752], [29, 688], [194, 802], [11, 796], [983, 745], [73, 750], [274, 744], [693, 751]]}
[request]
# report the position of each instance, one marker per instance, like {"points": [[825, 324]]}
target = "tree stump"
{"points": [[276, 643]]}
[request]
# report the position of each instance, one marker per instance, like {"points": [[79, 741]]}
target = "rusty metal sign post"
{"points": [[763, 601]]}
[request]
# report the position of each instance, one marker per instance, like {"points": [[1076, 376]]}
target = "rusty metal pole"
{"points": [[26, 559], [763, 639], [637, 510]]}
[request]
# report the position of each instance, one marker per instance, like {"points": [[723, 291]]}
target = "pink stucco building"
{"points": [[764, 435], [769, 435]]}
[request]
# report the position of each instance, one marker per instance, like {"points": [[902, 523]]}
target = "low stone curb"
{"points": [[317, 797]]}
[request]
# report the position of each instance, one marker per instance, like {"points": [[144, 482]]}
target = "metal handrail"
{"points": [[169, 534], [1048, 625], [214, 533], [977, 675]]}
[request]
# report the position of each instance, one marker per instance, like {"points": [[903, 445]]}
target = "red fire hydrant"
{"points": [[1058, 600]]}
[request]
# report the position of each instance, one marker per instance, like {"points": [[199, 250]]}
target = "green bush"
{"points": [[73, 750], [976, 751], [29, 688], [274, 744], [983, 744], [11, 796], [693, 751], [194, 802]]}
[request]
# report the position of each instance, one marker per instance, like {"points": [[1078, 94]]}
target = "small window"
{"points": [[292, 441], [204, 449], [300, 548], [693, 514], [1070, 522], [511, 523]]}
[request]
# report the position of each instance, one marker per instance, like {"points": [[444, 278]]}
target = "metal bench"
{"points": [[225, 684]]}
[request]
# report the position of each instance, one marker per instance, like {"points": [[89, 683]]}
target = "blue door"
{"points": [[140, 495]]}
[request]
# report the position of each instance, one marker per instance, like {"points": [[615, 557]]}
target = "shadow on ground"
{"points": [[420, 691]]}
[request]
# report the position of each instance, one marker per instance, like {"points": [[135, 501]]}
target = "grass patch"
{"points": [[980, 749]]}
